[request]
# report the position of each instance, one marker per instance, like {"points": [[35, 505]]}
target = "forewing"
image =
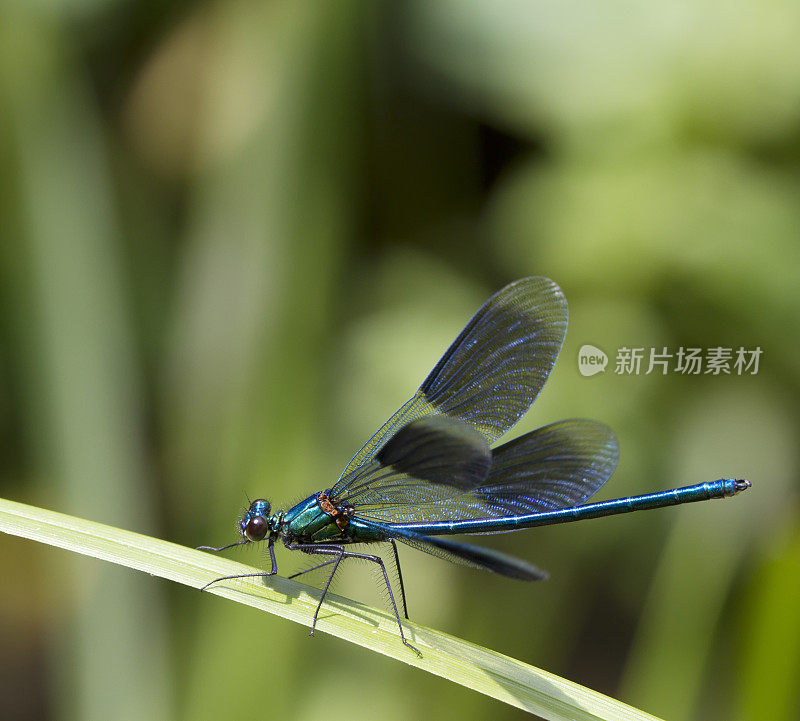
{"points": [[426, 461], [557, 466], [495, 368]]}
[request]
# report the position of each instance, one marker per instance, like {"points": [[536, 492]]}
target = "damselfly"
{"points": [[429, 471]]}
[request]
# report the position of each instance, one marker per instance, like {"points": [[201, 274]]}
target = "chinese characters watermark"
{"points": [[686, 361]]}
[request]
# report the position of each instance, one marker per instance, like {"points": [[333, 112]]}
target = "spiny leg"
{"points": [[341, 553], [315, 550], [400, 577], [379, 561], [397, 565], [263, 574], [216, 549], [313, 568], [336, 563]]}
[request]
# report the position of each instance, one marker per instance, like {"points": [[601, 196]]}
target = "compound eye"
{"points": [[256, 528]]}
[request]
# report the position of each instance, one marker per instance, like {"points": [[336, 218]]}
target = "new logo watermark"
{"points": [[686, 361], [591, 360]]}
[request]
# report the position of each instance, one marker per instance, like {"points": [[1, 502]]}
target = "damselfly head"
{"points": [[256, 522]]}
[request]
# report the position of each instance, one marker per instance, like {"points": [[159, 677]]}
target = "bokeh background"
{"points": [[237, 234]]}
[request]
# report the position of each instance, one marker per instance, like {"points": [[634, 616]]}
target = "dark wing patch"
{"points": [[426, 461], [557, 466], [439, 449]]}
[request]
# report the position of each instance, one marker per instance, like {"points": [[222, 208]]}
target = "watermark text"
{"points": [[632, 361]]}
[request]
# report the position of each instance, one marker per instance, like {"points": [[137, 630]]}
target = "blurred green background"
{"points": [[236, 235]]}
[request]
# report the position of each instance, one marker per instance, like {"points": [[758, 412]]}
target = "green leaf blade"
{"points": [[474, 667]]}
